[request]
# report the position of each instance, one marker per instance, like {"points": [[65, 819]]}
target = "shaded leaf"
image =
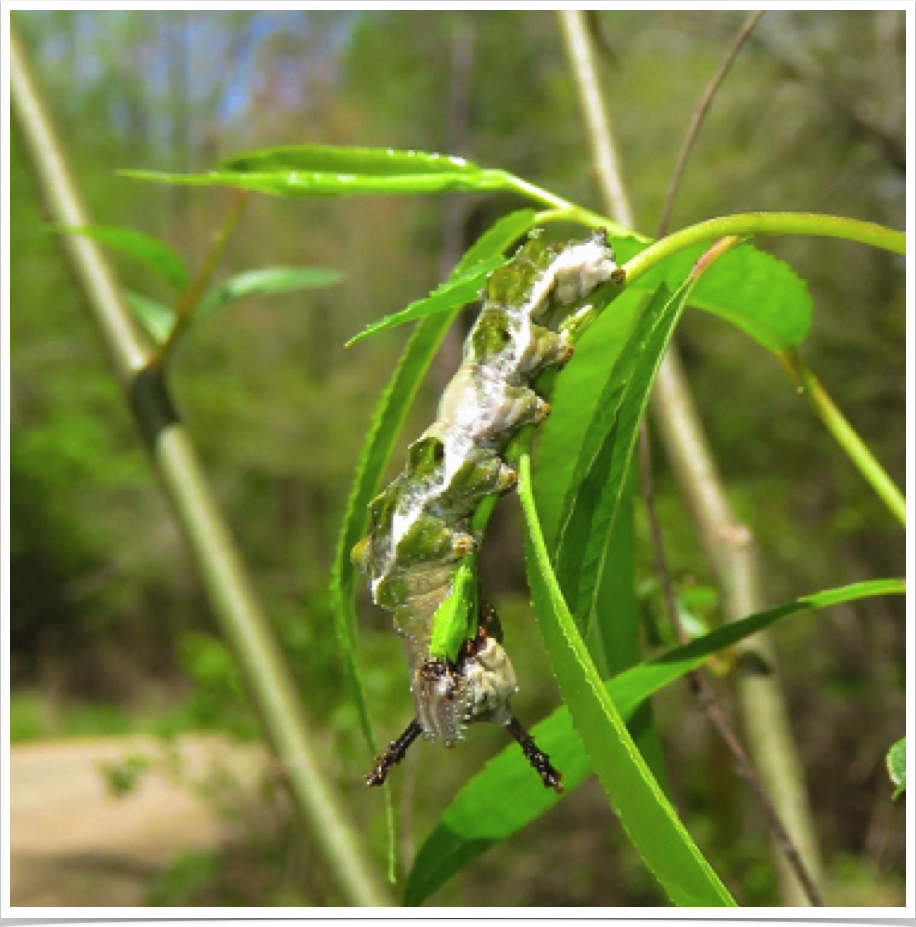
{"points": [[149, 251], [572, 402], [456, 292], [505, 796], [613, 633]]}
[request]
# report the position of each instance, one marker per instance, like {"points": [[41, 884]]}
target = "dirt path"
{"points": [[73, 842]]}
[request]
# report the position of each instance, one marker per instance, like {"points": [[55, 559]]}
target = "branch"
{"points": [[213, 549], [767, 223], [184, 311], [696, 123]]}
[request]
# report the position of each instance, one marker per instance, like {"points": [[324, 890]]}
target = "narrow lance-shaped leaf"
{"points": [[504, 796], [645, 813], [158, 319], [457, 291], [149, 251], [263, 282], [613, 633], [598, 483], [344, 160], [318, 170]]}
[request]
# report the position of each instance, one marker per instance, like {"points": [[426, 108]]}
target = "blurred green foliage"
{"points": [[105, 609]]}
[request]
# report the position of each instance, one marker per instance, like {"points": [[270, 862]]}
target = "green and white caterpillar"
{"points": [[420, 552]]}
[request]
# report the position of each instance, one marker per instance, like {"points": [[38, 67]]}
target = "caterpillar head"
{"points": [[443, 701], [478, 687]]}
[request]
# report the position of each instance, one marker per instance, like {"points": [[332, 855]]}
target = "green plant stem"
{"points": [[752, 224], [221, 569], [562, 210], [845, 434], [742, 225], [184, 311]]}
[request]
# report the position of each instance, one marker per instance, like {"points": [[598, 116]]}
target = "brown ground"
{"points": [[73, 842]]}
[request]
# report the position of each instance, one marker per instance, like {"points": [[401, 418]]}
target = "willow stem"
{"points": [[766, 223], [213, 550], [846, 436]]}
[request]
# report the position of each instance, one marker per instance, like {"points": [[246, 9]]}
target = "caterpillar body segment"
{"points": [[419, 551]]}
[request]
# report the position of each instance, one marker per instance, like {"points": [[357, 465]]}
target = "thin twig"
{"points": [[846, 436], [696, 123], [184, 311]]}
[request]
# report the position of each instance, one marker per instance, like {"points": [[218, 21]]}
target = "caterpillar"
{"points": [[420, 552]]}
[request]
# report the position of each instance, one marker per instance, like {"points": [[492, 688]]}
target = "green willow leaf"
{"points": [[263, 282], [504, 796], [319, 170], [597, 487], [333, 159], [156, 318], [896, 766], [456, 292], [646, 814], [572, 403], [159, 319], [613, 634], [748, 287], [498, 238], [149, 251]]}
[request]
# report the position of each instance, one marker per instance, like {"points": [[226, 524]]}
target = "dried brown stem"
{"points": [[699, 115]]}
